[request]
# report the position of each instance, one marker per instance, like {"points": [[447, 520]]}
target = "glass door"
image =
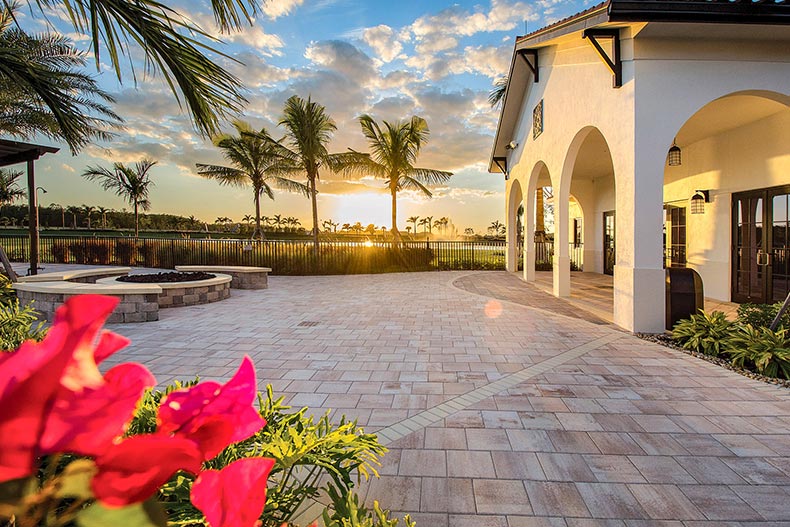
{"points": [[608, 242], [749, 258], [779, 264]]}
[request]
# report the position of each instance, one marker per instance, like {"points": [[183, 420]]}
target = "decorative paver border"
{"points": [[462, 402]]}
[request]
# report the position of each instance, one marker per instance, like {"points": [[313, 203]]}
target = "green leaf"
{"points": [[146, 514], [11, 494], [76, 480]]}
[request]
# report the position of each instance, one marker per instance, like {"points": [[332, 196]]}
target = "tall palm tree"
{"points": [[88, 210], [43, 91], [429, 224], [73, 210], [171, 44], [394, 149], [308, 130], [277, 221], [414, 220], [497, 94], [62, 212], [130, 183], [9, 191], [251, 155], [103, 212]]}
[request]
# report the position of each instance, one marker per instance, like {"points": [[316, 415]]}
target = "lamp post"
{"points": [[38, 207]]}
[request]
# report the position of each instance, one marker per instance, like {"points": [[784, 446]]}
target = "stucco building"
{"points": [[668, 122]]}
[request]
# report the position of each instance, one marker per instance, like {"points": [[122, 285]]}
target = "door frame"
{"points": [[767, 194], [612, 214]]}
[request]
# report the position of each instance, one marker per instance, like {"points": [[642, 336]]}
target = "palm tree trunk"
{"points": [[314, 199], [395, 233], [258, 231], [136, 220]]}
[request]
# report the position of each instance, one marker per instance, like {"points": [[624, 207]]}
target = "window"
{"points": [[577, 232], [675, 245]]}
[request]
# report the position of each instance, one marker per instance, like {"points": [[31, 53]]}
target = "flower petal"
{"points": [[234, 496], [86, 423], [133, 470], [187, 412]]}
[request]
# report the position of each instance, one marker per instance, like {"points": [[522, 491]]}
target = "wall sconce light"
{"points": [[512, 145], [698, 201], [674, 158]]}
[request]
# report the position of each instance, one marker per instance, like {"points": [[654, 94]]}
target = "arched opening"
{"points": [[537, 248], [727, 198], [585, 234]]}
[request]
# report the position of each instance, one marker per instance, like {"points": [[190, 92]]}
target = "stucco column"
{"points": [[512, 202], [562, 260], [638, 274], [529, 236]]}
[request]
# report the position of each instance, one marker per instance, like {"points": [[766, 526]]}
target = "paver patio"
{"points": [[497, 413]]}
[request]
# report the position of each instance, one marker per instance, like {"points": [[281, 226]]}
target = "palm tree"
{"points": [[62, 212], [394, 150], [88, 211], [103, 211], [444, 221], [9, 191], [308, 131], [346, 227], [497, 228], [277, 221], [429, 224], [73, 210], [252, 155], [497, 95], [424, 222], [414, 220], [42, 91], [171, 44], [408, 229], [357, 227], [130, 183]]}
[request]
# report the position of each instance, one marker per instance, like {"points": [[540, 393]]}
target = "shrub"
{"points": [[761, 315], [306, 453], [91, 252], [762, 350], [18, 324], [60, 252], [704, 333], [125, 251]]}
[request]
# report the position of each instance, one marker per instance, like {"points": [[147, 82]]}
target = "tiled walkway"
{"points": [[497, 413]]}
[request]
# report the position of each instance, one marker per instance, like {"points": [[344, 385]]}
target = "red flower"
{"points": [[54, 398], [193, 426], [234, 496], [134, 469], [214, 415]]}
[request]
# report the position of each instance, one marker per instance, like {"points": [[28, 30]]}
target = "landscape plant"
{"points": [[761, 315], [130, 183], [760, 349], [394, 148], [706, 333], [252, 154]]}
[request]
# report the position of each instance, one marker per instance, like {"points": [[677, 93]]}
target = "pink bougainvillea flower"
{"points": [[87, 422], [134, 469], [214, 415], [234, 496], [59, 374]]}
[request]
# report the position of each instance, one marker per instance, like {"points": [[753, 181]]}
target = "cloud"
{"points": [[277, 8], [342, 57], [383, 41]]}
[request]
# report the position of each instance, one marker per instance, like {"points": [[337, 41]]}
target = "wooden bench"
{"points": [[139, 302], [243, 277], [85, 276]]}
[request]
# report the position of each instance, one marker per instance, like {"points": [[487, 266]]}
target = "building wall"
{"points": [[750, 157]]}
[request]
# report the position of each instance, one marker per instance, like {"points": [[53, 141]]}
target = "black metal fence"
{"points": [[284, 257]]}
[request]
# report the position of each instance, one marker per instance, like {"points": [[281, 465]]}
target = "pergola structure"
{"points": [[15, 152]]}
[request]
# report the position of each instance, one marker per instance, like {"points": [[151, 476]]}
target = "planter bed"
{"points": [[179, 294]]}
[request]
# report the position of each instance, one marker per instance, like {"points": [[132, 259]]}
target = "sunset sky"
{"points": [[390, 59]]}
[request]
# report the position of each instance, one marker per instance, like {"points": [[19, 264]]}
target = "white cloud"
{"points": [[277, 8], [383, 41]]}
